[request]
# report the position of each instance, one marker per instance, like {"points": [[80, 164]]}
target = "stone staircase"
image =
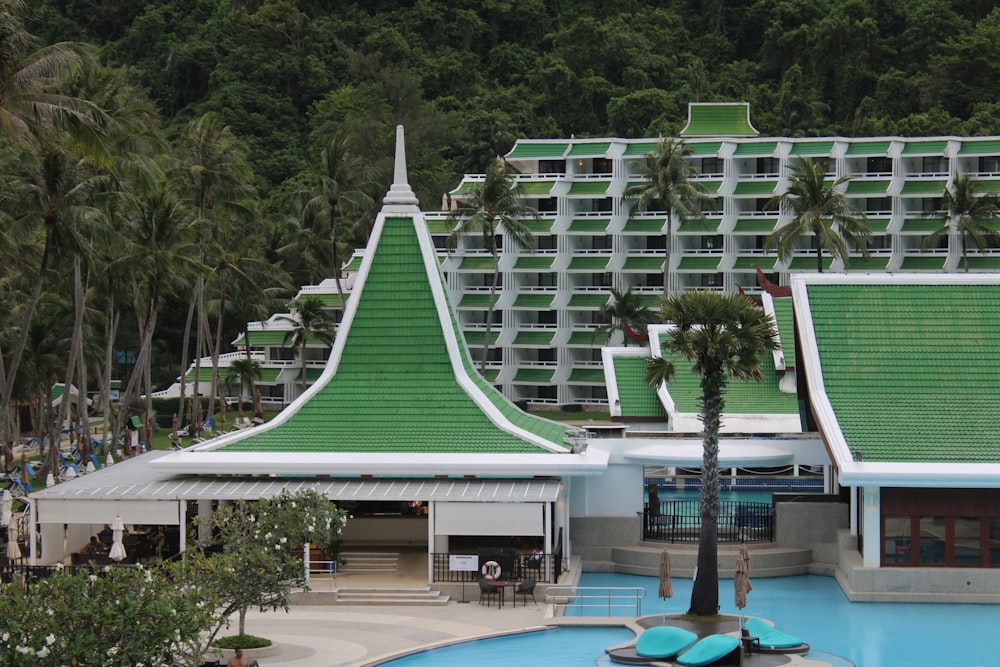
{"points": [[369, 562], [403, 596], [374, 578]]}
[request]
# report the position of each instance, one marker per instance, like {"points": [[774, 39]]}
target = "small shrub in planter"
{"points": [[241, 641]]}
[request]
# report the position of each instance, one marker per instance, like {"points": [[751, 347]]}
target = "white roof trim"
{"points": [[689, 453]]}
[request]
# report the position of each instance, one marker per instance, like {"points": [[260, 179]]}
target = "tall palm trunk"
{"points": [[705, 592]]}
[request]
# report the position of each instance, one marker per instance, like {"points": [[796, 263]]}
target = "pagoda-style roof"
{"points": [[399, 394]]}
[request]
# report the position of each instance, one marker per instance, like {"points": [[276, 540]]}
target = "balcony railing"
{"points": [[514, 566], [680, 521]]}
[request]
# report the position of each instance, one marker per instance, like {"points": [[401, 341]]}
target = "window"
{"points": [[897, 540], [935, 164], [761, 206], [545, 242], [605, 205], [932, 540], [767, 165], [602, 242], [711, 280], [711, 165], [880, 242], [602, 165], [547, 355], [545, 205], [878, 204], [968, 541], [547, 317], [989, 164], [711, 242], [879, 165], [551, 166]]}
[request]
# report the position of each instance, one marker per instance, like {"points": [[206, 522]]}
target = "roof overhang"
{"points": [[926, 475], [687, 453], [587, 462]]}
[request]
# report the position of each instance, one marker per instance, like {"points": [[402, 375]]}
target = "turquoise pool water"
{"points": [[812, 607]]}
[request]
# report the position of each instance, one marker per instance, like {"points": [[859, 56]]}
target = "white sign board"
{"points": [[461, 563]]}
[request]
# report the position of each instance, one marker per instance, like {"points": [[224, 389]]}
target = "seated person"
{"points": [[92, 547], [106, 534]]}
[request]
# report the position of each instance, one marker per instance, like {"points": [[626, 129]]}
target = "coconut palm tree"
{"points": [[722, 337], [310, 321], [336, 194], [245, 372], [819, 207], [492, 207], [970, 214], [669, 189], [626, 314]]}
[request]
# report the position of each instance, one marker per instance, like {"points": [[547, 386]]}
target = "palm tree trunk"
{"points": [[705, 592], [489, 313], [184, 356]]}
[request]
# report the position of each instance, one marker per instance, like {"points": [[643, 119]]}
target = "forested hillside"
{"points": [[468, 78]]}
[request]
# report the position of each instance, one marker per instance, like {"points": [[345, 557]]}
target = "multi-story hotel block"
{"points": [[545, 346]]}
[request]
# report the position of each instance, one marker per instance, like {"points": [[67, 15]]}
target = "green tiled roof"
{"points": [[755, 225], [587, 376], [328, 299], [270, 375], [923, 263], [475, 300], [527, 149], [588, 225], [587, 338], [637, 398], [644, 263], [588, 263], [812, 148], [477, 263], [589, 187], [742, 398], [653, 301], [878, 224], [925, 147], [987, 186], [377, 402], [534, 338], [910, 370], [922, 225], [757, 148], [267, 337], [755, 188], [785, 320], [205, 374], [856, 188], [540, 226], [935, 188], [465, 187], [981, 263], [475, 338], [535, 188], [987, 147], [868, 148], [641, 148], [592, 149], [700, 263], [354, 264], [645, 226], [707, 120], [541, 301], [707, 187], [703, 147], [698, 225], [766, 263], [534, 262], [803, 263], [873, 263], [590, 300], [534, 376], [438, 226]]}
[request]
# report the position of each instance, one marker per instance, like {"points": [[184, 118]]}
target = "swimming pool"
{"points": [[868, 634]]}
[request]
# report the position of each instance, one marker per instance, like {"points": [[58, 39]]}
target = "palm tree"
{"points": [[722, 337], [492, 208], [626, 314], [969, 214], [334, 196], [310, 321], [669, 188], [821, 208], [245, 372]]}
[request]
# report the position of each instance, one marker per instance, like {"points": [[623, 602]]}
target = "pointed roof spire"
{"points": [[400, 197]]}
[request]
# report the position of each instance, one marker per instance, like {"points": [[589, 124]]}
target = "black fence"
{"points": [[512, 566], [680, 521]]}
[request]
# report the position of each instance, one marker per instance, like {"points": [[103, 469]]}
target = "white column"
{"points": [[872, 525], [548, 508], [182, 523], [431, 542], [854, 510]]}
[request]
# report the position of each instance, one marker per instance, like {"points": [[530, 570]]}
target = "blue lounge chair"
{"points": [[770, 638], [712, 650], [664, 641]]}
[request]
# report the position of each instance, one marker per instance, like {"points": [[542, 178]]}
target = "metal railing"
{"points": [[580, 598], [680, 521], [545, 569]]}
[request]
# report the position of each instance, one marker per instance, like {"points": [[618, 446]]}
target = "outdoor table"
{"points": [[504, 585]]}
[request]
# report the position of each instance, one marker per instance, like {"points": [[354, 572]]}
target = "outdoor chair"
{"points": [[486, 592], [526, 588]]}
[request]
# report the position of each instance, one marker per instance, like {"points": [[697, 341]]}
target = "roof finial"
{"points": [[400, 193]]}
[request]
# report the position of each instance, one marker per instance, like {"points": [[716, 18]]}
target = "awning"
{"points": [[731, 455]]}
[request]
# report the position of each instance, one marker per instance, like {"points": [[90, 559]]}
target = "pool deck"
{"points": [[363, 635]]}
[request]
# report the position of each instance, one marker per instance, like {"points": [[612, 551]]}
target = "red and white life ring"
{"points": [[491, 570]]}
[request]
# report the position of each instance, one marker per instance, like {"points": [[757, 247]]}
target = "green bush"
{"points": [[241, 641]]}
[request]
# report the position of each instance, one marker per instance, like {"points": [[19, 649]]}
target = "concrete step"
{"points": [[359, 561], [766, 560], [391, 596]]}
